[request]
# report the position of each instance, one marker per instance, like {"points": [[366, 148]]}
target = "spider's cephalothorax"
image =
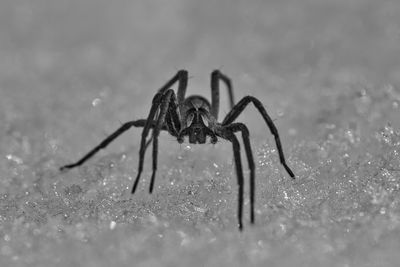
{"points": [[197, 119], [196, 113]]}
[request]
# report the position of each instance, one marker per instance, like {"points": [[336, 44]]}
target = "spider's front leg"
{"points": [[238, 109], [240, 127], [168, 109], [229, 135], [228, 132], [163, 104], [182, 78]]}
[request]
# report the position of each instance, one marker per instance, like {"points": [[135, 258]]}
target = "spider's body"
{"points": [[197, 119]]}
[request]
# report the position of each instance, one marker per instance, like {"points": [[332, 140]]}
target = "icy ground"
{"points": [[328, 72]]}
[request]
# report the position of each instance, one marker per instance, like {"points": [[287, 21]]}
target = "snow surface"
{"points": [[327, 71]]}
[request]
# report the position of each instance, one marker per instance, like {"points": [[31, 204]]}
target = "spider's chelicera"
{"points": [[196, 118]]}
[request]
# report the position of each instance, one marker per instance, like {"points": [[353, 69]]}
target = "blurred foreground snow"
{"points": [[327, 72]]}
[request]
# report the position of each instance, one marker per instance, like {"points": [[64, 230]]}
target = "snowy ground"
{"points": [[328, 72]]}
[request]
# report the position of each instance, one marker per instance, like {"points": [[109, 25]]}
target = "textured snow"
{"points": [[327, 71]]}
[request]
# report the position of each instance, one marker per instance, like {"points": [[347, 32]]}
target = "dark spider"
{"points": [[196, 118]]}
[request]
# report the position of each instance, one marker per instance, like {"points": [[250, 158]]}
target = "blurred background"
{"points": [[57, 57], [71, 72]]}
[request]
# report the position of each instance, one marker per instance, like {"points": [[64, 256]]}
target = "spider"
{"points": [[195, 117]]}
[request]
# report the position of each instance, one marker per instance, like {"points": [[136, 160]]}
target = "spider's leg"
{"points": [[172, 118], [149, 141], [246, 141], [182, 78], [164, 108], [229, 135], [126, 126], [216, 76], [238, 109], [169, 124], [143, 144], [239, 171]]}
